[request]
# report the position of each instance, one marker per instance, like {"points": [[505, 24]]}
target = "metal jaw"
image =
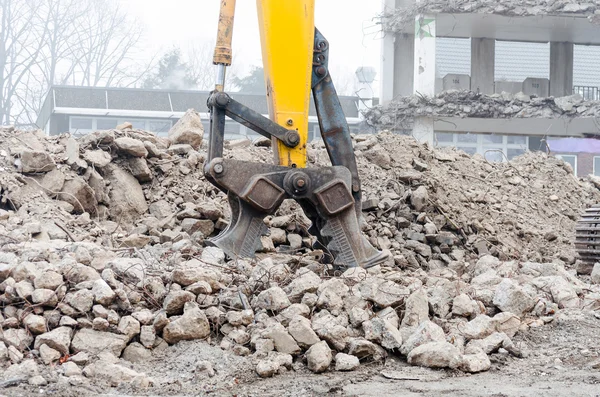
{"points": [[330, 196], [256, 190]]}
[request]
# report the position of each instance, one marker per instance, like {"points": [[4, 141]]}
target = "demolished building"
{"points": [[413, 32]]}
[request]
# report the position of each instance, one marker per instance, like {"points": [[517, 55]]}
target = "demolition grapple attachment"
{"points": [[330, 196]]}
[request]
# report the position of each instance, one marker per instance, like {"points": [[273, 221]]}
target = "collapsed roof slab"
{"points": [[540, 28]]}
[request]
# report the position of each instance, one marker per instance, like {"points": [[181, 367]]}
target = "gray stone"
{"points": [[300, 329], [102, 292], [115, 374], [34, 323], [97, 158], [36, 161], [284, 343], [477, 362], [419, 198], [58, 339], [129, 326], [127, 198], [480, 327], [81, 300], [144, 316], [435, 355], [139, 169], [147, 336], [24, 289], [37, 380], [193, 324], [510, 297], [96, 342], [80, 195], [136, 353], [488, 345], [188, 130], [193, 271], [319, 357], [464, 306], [307, 282], [327, 327], [131, 146], [346, 362], [71, 369], [17, 337], [382, 332], [45, 297], [364, 349], [508, 323], [48, 280], [273, 299], [383, 293], [563, 293], [426, 332], [48, 354], [417, 309], [175, 301], [267, 368]]}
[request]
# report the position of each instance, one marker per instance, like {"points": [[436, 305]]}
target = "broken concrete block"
{"points": [[188, 130], [36, 161]]}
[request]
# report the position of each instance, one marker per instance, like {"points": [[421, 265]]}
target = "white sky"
{"points": [[349, 26]]}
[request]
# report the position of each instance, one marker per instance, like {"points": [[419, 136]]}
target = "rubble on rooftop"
{"points": [[401, 17], [460, 103], [103, 261]]}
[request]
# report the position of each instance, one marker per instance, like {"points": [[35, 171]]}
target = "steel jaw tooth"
{"points": [[339, 245], [252, 243]]}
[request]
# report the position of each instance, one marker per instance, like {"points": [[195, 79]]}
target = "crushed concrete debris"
{"points": [[400, 113], [106, 280], [402, 17]]}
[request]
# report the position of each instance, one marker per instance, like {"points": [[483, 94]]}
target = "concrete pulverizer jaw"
{"points": [[346, 243], [256, 190], [241, 238]]}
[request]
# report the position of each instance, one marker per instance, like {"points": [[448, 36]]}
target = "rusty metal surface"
{"points": [[332, 121], [587, 236]]}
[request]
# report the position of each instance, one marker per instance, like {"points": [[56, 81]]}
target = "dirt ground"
{"points": [[563, 359]]}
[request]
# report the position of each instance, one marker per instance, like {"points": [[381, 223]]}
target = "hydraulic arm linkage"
{"points": [[295, 58]]}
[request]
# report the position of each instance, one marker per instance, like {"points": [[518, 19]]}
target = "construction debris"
{"points": [[402, 17], [400, 113], [99, 268]]}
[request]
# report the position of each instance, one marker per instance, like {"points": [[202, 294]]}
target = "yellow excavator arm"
{"points": [[287, 31], [295, 60]]}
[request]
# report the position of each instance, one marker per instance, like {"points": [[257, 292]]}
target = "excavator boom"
{"points": [[295, 61]]}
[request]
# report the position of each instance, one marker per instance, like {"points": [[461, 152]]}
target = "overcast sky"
{"points": [[349, 25]]}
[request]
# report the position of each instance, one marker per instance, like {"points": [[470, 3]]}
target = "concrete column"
{"points": [[404, 64], [561, 69], [483, 62], [386, 75], [424, 72]]}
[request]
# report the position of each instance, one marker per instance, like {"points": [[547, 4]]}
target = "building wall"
{"points": [[585, 163]]}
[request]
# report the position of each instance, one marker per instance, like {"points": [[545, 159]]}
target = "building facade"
{"points": [[81, 110], [430, 46]]}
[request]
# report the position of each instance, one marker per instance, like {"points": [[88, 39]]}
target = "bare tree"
{"points": [[48, 42], [22, 38]]}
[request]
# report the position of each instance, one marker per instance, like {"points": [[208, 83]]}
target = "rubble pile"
{"points": [[402, 17], [103, 261], [454, 103]]}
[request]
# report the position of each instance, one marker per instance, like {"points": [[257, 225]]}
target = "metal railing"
{"points": [[587, 92]]}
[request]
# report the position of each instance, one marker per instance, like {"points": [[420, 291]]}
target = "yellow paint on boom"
{"points": [[287, 29]]}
